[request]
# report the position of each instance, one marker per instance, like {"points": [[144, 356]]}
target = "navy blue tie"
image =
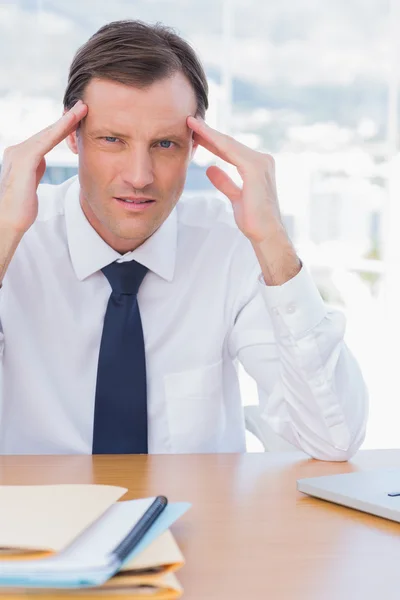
{"points": [[120, 413]]}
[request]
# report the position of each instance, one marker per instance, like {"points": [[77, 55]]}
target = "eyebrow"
{"points": [[166, 135]]}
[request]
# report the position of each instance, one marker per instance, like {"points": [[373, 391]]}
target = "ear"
{"points": [[72, 142], [195, 145]]}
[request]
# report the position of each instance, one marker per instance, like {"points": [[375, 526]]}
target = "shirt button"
{"points": [[275, 311], [290, 309]]}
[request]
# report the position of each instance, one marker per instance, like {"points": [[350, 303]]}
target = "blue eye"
{"points": [[110, 139], [165, 142]]}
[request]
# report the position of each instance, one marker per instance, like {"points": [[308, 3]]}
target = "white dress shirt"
{"points": [[204, 307]]}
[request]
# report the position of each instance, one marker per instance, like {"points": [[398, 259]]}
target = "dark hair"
{"points": [[138, 54]]}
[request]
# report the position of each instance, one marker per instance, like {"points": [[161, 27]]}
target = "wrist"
{"points": [[9, 232], [278, 258], [9, 240]]}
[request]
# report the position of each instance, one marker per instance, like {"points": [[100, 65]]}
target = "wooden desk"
{"points": [[249, 535]]}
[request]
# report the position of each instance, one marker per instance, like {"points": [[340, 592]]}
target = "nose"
{"points": [[138, 169]]}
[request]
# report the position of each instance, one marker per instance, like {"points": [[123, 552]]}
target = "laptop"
{"points": [[376, 492]]}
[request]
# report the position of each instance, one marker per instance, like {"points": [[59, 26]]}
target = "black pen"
{"points": [[135, 535]]}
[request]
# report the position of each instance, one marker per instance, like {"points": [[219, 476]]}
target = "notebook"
{"points": [[166, 587], [150, 575], [40, 520], [67, 541], [376, 492]]}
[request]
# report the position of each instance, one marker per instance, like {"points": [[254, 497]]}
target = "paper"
{"points": [[163, 553], [164, 586], [86, 561], [92, 548], [167, 587], [100, 539], [49, 517], [170, 514]]}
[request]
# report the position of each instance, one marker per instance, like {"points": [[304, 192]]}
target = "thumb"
{"points": [[223, 183]]}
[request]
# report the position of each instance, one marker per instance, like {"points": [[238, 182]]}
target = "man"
{"points": [[124, 312]]}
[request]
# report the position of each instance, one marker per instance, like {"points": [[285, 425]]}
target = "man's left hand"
{"points": [[255, 205]]}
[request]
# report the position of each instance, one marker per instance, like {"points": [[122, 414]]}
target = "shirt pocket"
{"points": [[195, 409]]}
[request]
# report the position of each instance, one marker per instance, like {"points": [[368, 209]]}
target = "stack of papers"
{"points": [[63, 536]]}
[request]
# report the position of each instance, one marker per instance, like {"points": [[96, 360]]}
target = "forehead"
{"points": [[166, 103]]}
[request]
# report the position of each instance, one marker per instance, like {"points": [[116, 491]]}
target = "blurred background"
{"points": [[313, 82]]}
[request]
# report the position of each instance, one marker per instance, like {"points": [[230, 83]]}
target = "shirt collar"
{"points": [[90, 253]]}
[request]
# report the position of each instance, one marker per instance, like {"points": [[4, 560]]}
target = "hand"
{"points": [[24, 166], [255, 205]]}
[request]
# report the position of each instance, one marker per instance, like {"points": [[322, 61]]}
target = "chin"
{"points": [[135, 235]]}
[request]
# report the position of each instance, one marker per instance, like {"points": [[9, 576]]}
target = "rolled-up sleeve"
{"points": [[311, 390]]}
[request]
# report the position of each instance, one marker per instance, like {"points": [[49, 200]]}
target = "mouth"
{"points": [[135, 204]]}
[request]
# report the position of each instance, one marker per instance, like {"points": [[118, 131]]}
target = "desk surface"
{"points": [[249, 534]]}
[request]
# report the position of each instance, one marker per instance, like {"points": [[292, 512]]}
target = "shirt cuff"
{"points": [[295, 307]]}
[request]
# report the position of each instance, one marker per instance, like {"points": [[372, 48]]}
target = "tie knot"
{"points": [[126, 277]]}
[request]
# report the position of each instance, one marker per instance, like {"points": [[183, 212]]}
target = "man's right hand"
{"points": [[23, 168]]}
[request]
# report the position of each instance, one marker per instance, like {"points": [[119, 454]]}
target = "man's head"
{"points": [[140, 83]]}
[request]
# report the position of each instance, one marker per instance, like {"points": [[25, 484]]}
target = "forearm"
{"points": [[323, 415], [9, 240], [277, 257], [323, 399], [23, 167]]}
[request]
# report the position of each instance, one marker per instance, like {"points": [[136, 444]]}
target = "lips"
{"points": [[138, 205], [135, 200]]}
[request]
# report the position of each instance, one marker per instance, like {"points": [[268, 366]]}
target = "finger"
{"points": [[212, 148], [224, 183], [222, 145], [48, 138]]}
